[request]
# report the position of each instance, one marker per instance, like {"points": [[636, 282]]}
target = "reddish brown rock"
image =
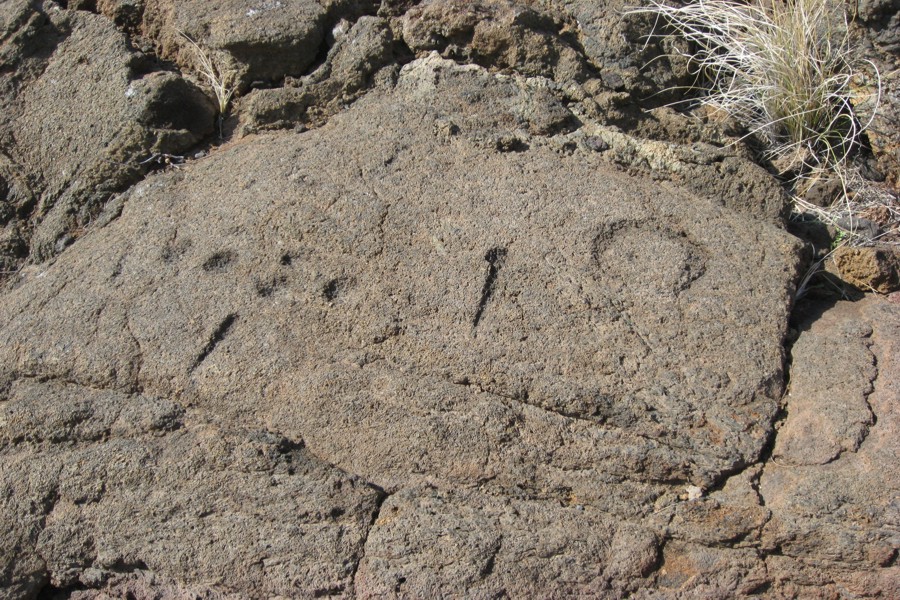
{"points": [[871, 269], [831, 485]]}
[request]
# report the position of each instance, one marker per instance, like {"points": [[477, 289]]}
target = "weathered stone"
{"points": [[612, 270], [882, 23], [100, 483], [262, 41], [616, 43], [877, 87], [492, 547], [878, 105], [126, 14], [834, 524], [81, 129], [350, 68], [870, 268], [693, 570], [501, 34], [704, 169], [422, 307], [828, 412], [490, 331]]}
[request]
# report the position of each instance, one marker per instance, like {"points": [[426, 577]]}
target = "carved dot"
{"points": [[335, 287], [174, 250], [265, 288], [219, 261]]}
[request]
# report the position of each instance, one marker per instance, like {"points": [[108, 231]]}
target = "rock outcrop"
{"points": [[446, 315], [84, 117]]}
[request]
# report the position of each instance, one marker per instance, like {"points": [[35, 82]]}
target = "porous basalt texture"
{"points": [[357, 60], [882, 21], [500, 34], [460, 304], [830, 486], [871, 269], [83, 118], [878, 86], [260, 42], [129, 483], [439, 310]]}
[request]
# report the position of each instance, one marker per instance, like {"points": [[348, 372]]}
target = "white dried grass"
{"points": [[221, 80], [784, 69]]}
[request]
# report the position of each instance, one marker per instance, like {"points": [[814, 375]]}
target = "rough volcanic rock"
{"points": [[878, 82], [84, 114], [126, 14], [468, 337], [492, 547], [633, 53], [819, 518], [352, 66], [832, 486], [558, 92], [882, 21], [622, 59], [16, 203], [97, 483], [828, 412], [259, 40], [502, 34], [877, 90], [881, 108], [875, 268], [530, 106], [426, 291], [705, 169]]}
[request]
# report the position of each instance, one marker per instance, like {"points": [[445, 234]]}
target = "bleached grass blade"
{"points": [[785, 69]]}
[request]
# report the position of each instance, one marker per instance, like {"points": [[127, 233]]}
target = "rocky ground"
{"points": [[449, 303]]}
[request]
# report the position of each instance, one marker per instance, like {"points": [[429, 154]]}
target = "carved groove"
{"points": [[494, 257], [217, 336]]}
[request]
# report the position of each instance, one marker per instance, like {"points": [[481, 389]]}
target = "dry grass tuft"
{"points": [[220, 79], [786, 70]]}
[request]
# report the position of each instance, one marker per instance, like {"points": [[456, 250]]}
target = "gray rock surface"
{"points": [[492, 547], [632, 53], [261, 41], [500, 34], [879, 57], [486, 329], [431, 305], [126, 483], [882, 20], [884, 113], [352, 66], [82, 117]]}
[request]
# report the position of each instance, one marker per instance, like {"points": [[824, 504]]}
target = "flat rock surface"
{"points": [[119, 483], [430, 305], [465, 337]]}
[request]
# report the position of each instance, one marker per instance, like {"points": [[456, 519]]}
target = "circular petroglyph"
{"points": [[646, 259]]}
